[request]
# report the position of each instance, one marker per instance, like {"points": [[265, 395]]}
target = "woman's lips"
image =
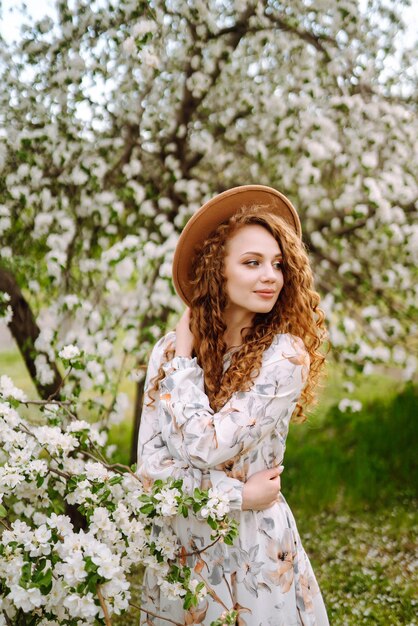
{"points": [[265, 294]]}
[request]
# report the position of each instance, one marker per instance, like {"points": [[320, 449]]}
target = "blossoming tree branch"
{"points": [[118, 120]]}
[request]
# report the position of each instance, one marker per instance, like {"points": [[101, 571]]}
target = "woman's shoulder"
{"points": [[286, 346]]}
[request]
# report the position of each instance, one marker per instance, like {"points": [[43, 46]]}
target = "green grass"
{"points": [[367, 458], [13, 365], [121, 436], [365, 563]]}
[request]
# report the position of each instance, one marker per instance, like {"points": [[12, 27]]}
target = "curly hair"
{"points": [[296, 311]]}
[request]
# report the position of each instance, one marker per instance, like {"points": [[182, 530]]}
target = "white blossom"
{"points": [[8, 390], [54, 440], [143, 26], [168, 504], [96, 471], [69, 352], [129, 45], [172, 591], [25, 599], [108, 563], [125, 268], [44, 372], [193, 585], [82, 606], [217, 505], [149, 58], [347, 404]]}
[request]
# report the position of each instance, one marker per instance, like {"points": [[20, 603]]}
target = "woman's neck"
{"points": [[235, 322]]}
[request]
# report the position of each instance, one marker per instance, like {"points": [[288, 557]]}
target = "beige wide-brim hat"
{"points": [[213, 213]]}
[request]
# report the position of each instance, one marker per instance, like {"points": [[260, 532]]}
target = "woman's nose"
{"points": [[268, 273]]}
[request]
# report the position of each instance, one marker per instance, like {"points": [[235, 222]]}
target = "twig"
{"points": [[114, 466], [7, 618], [60, 385], [213, 593], [7, 527], [53, 470], [125, 467], [107, 619], [62, 403], [228, 586], [167, 619], [64, 406], [203, 549]]}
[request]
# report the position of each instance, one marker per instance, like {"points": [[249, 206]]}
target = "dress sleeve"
{"points": [[155, 461], [206, 439]]}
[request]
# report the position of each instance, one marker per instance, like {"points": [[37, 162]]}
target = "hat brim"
{"points": [[213, 213]]}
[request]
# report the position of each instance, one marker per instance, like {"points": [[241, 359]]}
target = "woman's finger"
{"points": [[276, 471], [276, 479]]}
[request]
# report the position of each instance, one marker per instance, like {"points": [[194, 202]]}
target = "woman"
{"points": [[221, 391]]}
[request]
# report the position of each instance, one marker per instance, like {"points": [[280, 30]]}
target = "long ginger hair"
{"points": [[296, 311]]}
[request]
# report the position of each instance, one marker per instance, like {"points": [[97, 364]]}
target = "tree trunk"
{"points": [[139, 398], [25, 332]]}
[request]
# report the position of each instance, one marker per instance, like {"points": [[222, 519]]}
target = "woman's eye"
{"points": [[255, 263]]}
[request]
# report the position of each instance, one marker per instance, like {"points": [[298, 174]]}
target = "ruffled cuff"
{"points": [[180, 363]]}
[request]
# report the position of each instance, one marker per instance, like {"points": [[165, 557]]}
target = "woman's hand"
{"points": [[262, 489], [184, 337]]}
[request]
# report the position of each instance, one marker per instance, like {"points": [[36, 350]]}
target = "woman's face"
{"points": [[253, 270]]}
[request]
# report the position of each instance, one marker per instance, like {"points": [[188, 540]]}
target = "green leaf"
{"points": [[147, 509], [89, 565], [40, 480], [115, 480], [188, 600], [26, 574], [92, 582], [3, 512], [77, 365], [45, 582]]}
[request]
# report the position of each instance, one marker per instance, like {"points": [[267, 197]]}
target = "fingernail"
{"points": [[281, 468]]}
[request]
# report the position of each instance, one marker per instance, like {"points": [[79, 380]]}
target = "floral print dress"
{"points": [[266, 574]]}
